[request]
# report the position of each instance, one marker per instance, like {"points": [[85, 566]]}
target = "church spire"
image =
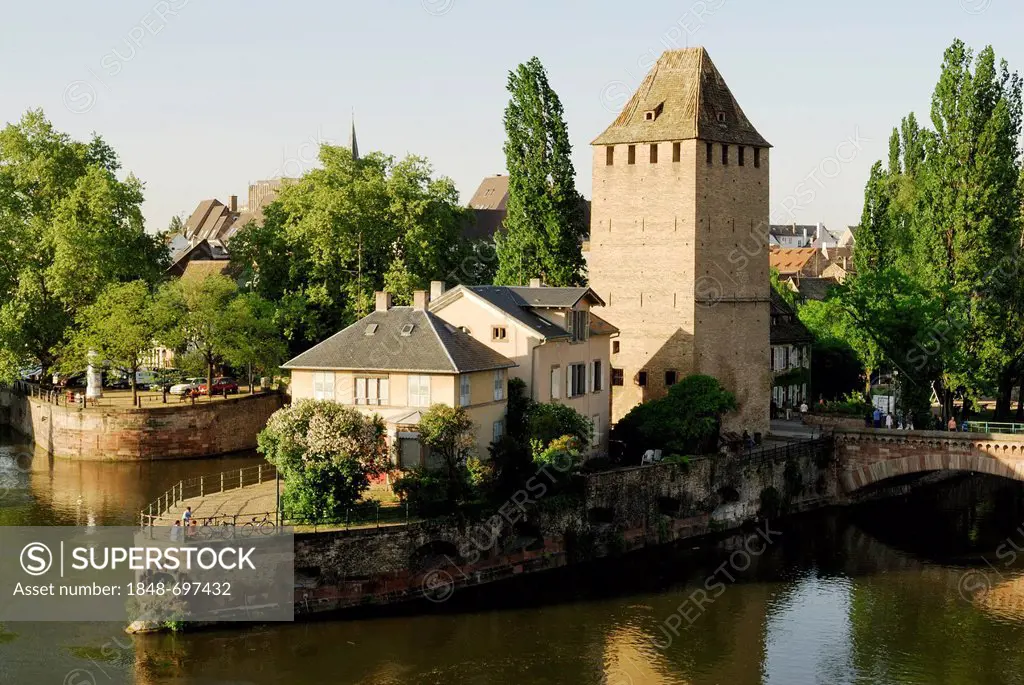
{"points": [[352, 143]]}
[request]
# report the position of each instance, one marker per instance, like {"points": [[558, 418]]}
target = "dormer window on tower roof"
{"points": [[652, 114]]}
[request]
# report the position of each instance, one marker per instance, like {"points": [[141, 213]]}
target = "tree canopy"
{"points": [[116, 330], [341, 232], [69, 226], [544, 225], [937, 288]]}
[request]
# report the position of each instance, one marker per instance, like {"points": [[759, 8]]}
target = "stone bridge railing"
{"points": [[868, 456]]}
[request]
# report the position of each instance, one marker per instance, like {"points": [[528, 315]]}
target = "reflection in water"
{"points": [[867, 595]]}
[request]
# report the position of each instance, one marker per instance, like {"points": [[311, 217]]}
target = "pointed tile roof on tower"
{"points": [[687, 98]]}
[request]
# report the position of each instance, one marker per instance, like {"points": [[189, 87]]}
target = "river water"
{"points": [[920, 589]]}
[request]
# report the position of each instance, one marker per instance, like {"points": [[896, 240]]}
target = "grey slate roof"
{"points": [[518, 303], [433, 346], [786, 328], [815, 288]]}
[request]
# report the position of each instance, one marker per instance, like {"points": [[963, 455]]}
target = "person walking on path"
{"points": [[876, 417], [888, 421], [803, 410], [951, 425], [187, 516]]}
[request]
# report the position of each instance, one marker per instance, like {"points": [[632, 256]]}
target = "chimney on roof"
{"points": [[233, 203], [420, 300], [436, 290], [383, 300], [535, 283]]}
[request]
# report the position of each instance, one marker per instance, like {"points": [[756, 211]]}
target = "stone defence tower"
{"points": [[679, 239]]}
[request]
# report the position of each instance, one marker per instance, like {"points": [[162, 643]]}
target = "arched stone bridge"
{"points": [[868, 456]]}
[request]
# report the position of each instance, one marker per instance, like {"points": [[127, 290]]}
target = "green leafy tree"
{"points": [[118, 330], [686, 421], [343, 231], [944, 221], [544, 225], [548, 422], [68, 228], [254, 342], [197, 317], [448, 432], [325, 454]]}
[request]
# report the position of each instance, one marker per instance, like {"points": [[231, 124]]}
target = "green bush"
{"points": [[686, 421], [325, 453], [853, 404], [427, 492]]}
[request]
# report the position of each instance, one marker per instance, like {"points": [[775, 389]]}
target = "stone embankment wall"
{"points": [[834, 421], [619, 511], [169, 431]]}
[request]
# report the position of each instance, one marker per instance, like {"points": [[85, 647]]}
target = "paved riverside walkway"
{"points": [[242, 502]]}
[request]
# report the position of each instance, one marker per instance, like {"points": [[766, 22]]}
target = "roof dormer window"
{"points": [[721, 117], [652, 114]]}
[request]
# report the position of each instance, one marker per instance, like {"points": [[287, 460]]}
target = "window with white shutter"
{"points": [[419, 391], [499, 384], [323, 385]]}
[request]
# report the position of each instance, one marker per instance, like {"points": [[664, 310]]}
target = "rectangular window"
{"points": [[725, 154], [742, 153], [618, 378], [419, 391], [556, 382], [464, 390], [598, 380], [609, 155], [631, 155], [677, 151], [323, 385], [410, 454], [654, 153], [670, 379], [499, 334], [711, 153], [499, 384], [641, 379], [615, 346], [771, 357], [372, 391], [579, 325], [576, 380], [498, 430], [757, 158], [785, 357]]}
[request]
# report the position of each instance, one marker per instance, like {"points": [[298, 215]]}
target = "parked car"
{"points": [[221, 386], [186, 386]]}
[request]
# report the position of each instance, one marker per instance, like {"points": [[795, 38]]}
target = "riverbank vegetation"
{"points": [[937, 299]]}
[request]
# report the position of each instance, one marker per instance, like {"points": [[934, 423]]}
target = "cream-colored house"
{"points": [[560, 348], [396, 363]]}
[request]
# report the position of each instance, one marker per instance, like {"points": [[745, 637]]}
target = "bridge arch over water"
{"points": [[868, 456]]}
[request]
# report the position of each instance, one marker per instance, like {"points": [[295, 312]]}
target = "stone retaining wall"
{"points": [[170, 431], [619, 512]]}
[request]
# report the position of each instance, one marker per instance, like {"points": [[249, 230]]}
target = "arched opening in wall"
{"points": [[600, 515], [728, 494], [670, 506], [435, 554]]}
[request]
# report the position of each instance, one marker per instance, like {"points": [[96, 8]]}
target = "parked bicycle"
{"points": [[264, 526]]}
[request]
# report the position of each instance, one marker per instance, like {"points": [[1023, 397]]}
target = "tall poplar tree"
{"points": [[544, 226]]}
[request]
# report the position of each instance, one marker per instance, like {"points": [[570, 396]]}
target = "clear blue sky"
{"points": [[201, 102]]}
